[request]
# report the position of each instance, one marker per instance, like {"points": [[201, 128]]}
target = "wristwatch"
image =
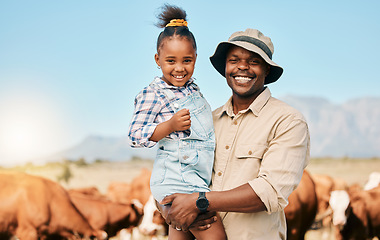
{"points": [[202, 202]]}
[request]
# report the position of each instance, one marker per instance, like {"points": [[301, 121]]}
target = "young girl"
{"points": [[172, 112]]}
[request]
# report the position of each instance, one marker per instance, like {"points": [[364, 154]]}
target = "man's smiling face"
{"points": [[245, 72]]}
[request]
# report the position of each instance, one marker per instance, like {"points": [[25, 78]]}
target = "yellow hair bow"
{"points": [[177, 23]]}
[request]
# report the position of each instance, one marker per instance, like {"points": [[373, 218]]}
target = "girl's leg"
{"points": [[179, 235], [173, 233], [215, 232]]}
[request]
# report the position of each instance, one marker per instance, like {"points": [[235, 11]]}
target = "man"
{"points": [[262, 147]]}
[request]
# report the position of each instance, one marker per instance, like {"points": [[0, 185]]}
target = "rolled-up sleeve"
{"points": [[142, 126], [283, 163]]}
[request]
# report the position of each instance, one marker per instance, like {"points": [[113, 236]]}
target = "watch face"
{"points": [[202, 203]]}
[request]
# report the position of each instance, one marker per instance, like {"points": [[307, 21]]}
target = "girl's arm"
{"points": [[179, 122], [147, 107]]}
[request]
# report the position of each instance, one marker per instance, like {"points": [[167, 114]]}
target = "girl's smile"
{"points": [[176, 57]]}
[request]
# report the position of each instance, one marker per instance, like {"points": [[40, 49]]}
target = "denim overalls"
{"points": [[185, 165]]}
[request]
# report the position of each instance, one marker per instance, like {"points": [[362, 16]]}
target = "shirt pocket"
{"points": [[247, 162], [250, 151]]}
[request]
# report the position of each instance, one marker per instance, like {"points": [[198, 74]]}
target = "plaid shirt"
{"points": [[152, 108]]}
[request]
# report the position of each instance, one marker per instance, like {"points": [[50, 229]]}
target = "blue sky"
{"points": [[69, 69]]}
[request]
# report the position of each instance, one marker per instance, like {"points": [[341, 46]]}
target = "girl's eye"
{"points": [[232, 60]]}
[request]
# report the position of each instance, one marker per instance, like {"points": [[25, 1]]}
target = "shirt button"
{"points": [[227, 147], [250, 153], [235, 123], [134, 143], [219, 174], [176, 105]]}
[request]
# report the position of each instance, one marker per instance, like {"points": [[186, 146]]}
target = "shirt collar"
{"points": [[162, 84], [255, 106]]}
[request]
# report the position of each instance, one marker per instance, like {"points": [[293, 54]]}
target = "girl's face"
{"points": [[176, 57]]}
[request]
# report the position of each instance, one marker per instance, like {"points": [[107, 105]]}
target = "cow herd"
{"points": [[338, 210], [33, 208]]}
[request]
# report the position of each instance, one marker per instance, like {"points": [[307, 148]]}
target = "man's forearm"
{"points": [[183, 210], [241, 199]]}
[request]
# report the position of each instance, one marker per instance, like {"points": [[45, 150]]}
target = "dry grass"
{"points": [[351, 170]]}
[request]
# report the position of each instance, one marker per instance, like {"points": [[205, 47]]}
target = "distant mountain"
{"points": [[351, 129], [104, 148]]}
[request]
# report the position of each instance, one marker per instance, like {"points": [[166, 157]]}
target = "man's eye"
{"points": [[254, 62], [232, 60]]}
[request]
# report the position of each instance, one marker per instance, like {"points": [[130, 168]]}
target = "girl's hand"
{"points": [[181, 120]]}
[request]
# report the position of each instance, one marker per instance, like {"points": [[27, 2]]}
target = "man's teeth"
{"points": [[178, 77], [243, 79]]}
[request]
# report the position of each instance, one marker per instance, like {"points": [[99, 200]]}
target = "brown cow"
{"points": [[119, 192], [88, 191], [362, 214], [105, 214], [324, 185], [139, 188], [34, 208], [302, 208]]}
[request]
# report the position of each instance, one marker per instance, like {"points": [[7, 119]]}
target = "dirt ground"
{"points": [[101, 174]]}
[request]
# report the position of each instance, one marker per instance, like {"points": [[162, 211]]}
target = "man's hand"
{"points": [[181, 120], [204, 221], [183, 210]]}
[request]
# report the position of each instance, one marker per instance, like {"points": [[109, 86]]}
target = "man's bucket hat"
{"points": [[251, 40]]}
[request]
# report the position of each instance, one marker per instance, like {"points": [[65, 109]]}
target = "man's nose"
{"points": [[243, 65]]}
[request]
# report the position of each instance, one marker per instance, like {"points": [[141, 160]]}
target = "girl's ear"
{"points": [[157, 59]]}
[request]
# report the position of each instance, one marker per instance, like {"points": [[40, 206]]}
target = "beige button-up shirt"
{"points": [[267, 146]]}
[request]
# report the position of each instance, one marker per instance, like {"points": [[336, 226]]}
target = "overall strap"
{"points": [[167, 93], [164, 93]]}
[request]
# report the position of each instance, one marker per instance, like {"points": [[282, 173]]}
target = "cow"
{"points": [[119, 192], [302, 208], [373, 181], [139, 189], [34, 208], [324, 185], [356, 213], [140, 186], [107, 215], [152, 223], [88, 191]]}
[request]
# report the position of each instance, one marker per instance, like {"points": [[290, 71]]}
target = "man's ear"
{"points": [[268, 70], [157, 59]]}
